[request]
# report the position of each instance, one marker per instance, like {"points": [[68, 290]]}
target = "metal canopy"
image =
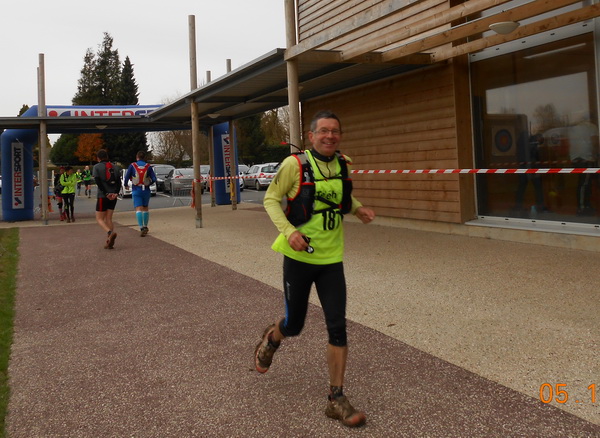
{"points": [[262, 85], [258, 86]]}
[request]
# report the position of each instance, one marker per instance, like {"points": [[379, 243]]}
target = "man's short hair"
{"points": [[140, 155], [323, 114], [102, 154]]}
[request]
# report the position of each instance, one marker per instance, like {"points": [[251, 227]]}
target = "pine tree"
{"points": [[104, 81], [127, 89], [107, 72], [124, 147], [63, 151], [250, 139], [88, 92]]}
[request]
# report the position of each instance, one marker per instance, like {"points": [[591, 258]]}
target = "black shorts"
{"points": [[104, 204], [330, 282]]}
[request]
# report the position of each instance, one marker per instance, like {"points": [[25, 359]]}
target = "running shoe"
{"points": [[111, 240], [340, 409], [144, 231], [263, 354]]}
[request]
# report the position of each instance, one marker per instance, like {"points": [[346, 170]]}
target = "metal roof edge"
{"points": [[275, 56]]}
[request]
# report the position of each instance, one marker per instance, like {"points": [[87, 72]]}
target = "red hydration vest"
{"points": [[300, 208], [141, 177]]}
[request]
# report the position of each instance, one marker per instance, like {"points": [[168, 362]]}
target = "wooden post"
{"points": [[211, 157], [211, 162], [292, 76], [197, 184], [234, 183], [43, 140]]}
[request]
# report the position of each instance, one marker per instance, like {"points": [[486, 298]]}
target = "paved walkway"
{"points": [[450, 336]]}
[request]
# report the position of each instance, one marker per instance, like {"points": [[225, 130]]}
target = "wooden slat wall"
{"points": [[408, 122], [317, 18]]}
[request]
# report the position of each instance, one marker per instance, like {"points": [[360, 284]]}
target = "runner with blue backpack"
{"points": [[142, 176]]}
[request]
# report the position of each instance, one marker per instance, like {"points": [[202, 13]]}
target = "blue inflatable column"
{"points": [[225, 164], [17, 172]]}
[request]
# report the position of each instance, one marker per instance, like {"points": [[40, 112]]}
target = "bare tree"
{"points": [[275, 125], [546, 117], [175, 147]]}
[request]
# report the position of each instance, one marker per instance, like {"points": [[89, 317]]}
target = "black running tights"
{"points": [[330, 283], [69, 199]]}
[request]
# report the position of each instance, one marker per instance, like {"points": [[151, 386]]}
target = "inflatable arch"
{"points": [[17, 156]]}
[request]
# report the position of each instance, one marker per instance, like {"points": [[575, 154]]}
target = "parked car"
{"points": [[260, 176], [126, 192], [161, 171], [205, 174], [242, 169], [180, 180]]}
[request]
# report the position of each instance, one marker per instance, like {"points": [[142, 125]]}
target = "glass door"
{"points": [[537, 108]]}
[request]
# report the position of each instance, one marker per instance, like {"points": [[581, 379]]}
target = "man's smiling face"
{"points": [[326, 137]]}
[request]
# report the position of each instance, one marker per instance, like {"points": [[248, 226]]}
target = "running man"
{"points": [[87, 181], [108, 179], [142, 176], [311, 240]]}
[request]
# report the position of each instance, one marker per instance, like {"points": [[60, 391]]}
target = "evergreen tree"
{"points": [[124, 147], [127, 88], [104, 81], [63, 151], [250, 139], [107, 72], [88, 91]]}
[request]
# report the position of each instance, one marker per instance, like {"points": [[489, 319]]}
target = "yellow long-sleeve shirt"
{"points": [[286, 185]]}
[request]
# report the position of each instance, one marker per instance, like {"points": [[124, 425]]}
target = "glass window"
{"points": [[536, 108]]}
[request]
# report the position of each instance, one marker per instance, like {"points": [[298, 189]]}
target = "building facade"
{"points": [[521, 96]]}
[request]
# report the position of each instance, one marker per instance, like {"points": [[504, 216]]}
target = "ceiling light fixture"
{"points": [[504, 27]]}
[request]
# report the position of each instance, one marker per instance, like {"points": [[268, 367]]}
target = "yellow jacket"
{"points": [[68, 182]]}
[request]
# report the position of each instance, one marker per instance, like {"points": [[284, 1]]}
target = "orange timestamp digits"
{"points": [[560, 394]]}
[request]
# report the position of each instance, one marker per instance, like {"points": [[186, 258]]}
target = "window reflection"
{"points": [[537, 109]]}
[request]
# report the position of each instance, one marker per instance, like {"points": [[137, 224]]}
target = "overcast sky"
{"points": [[154, 34]]}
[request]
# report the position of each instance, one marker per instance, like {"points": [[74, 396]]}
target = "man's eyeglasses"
{"points": [[325, 131]]}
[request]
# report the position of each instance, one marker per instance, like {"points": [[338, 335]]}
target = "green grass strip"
{"points": [[9, 258]]}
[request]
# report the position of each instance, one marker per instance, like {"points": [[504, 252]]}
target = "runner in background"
{"points": [[108, 179], [142, 176], [87, 181]]}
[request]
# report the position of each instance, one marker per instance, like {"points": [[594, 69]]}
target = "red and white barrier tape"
{"points": [[550, 170], [561, 170]]}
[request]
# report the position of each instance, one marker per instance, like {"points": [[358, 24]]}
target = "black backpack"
{"points": [[111, 178], [300, 209]]}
